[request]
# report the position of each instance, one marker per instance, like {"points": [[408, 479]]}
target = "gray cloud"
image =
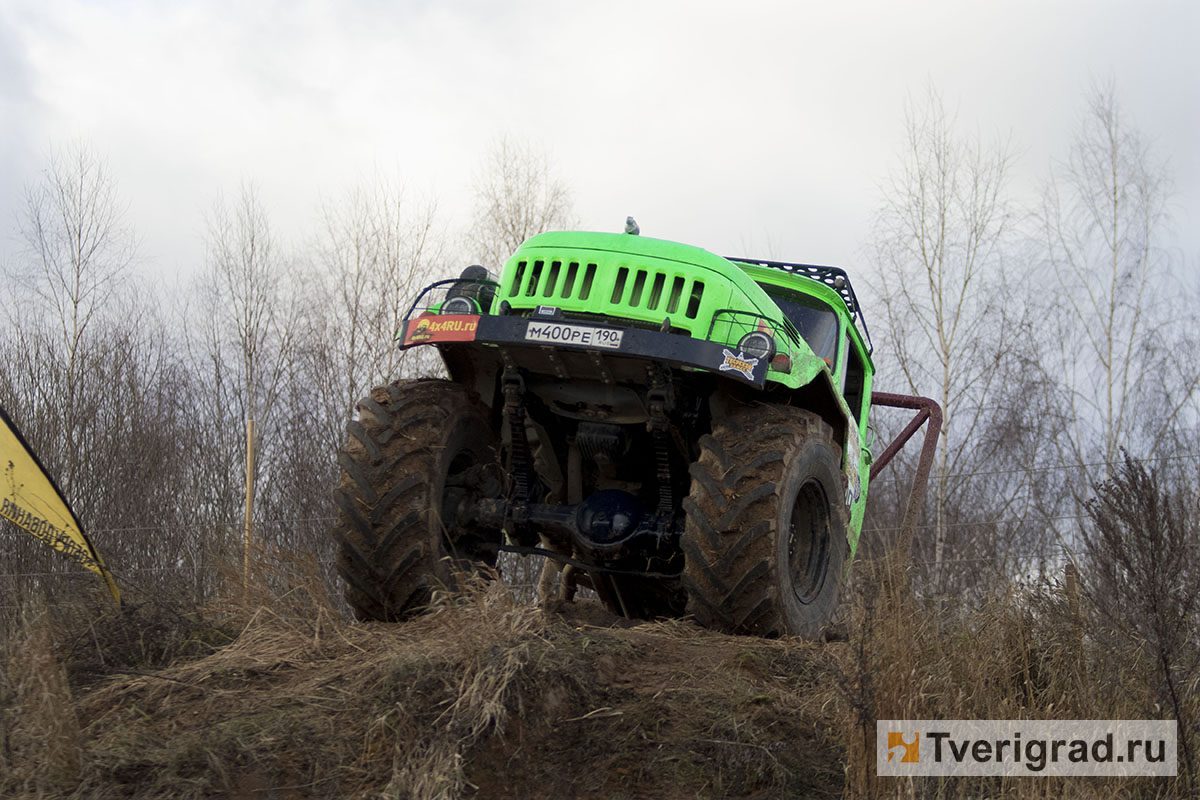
{"points": [[768, 123], [18, 113]]}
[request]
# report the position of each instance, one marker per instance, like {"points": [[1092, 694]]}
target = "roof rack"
{"points": [[833, 277]]}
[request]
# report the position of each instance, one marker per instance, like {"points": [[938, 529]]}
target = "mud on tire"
{"points": [[414, 449], [765, 541]]}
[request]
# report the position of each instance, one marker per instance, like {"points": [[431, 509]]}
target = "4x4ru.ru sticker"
{"points": [[442, 328]]}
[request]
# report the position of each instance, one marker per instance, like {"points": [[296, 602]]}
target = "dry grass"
{"points": [[482, 695], [1030, 653], [40, 744], [272, 693]]}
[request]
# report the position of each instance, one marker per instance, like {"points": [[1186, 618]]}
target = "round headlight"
{"points": [[459, 305], [757, 344]]}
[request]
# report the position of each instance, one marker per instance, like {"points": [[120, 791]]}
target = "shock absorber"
{"points": [[520, 457], [659, 403]]}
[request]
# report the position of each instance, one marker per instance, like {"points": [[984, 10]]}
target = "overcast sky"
{"points": [[761, 127]]}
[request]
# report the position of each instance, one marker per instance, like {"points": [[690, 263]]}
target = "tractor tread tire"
{"points": [[390, 549], [732, 573]]}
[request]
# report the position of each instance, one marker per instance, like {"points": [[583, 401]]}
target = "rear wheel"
{"points": [[416, 451], [765, 542]]}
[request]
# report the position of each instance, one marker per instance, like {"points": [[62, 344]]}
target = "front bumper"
{"points": [[550, 333]]}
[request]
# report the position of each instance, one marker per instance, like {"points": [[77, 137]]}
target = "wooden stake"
{"points": [[248, 528]]}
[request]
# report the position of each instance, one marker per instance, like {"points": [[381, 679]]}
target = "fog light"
{"points": [[459, 305], [757, 344]]}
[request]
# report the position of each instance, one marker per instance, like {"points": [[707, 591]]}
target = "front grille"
{"points": [[646, 292], [556, 280], [643, 288]]}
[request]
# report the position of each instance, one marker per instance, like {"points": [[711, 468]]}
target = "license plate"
{"points": [[557, 333]]}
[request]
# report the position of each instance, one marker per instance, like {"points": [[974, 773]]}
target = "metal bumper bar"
{"points": [[929, 411], [556, 332]]}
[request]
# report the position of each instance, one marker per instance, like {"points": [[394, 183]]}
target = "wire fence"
{"points": [[1007, 556]]}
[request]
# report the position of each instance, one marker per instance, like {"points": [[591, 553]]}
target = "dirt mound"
{"points": [[481, 697]]}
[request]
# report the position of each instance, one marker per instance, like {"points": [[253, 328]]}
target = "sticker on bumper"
{"points": [[442, 328], [741, 364], [557, 333]]}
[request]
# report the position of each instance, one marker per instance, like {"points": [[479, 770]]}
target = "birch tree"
{"points": [[90, 369], [1103, 217], [244, 340], [517, 195], [939, 250], [376, 250], [78, 250]]}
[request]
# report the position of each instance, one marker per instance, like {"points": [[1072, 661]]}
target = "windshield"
{"points": [[817, 323]]}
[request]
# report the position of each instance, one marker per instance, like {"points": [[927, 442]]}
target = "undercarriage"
{"points": [[607, 494]]}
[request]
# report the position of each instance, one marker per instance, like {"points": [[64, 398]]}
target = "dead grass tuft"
{"points": [[40, 745], [483, 695], [1030, 652], [270, 690]]}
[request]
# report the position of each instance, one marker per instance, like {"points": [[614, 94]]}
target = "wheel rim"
{"points": [[808, 542], [469, 477]]}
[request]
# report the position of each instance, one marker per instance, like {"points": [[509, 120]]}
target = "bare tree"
{"points": [[1103, 214], [517, 195], [244, 343], [91, 371], [78, 250], [252, 311], [950, 326], [375, 251], [1141, 555]]}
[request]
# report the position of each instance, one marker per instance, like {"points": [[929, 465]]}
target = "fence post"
{"points": [[248, 525]]}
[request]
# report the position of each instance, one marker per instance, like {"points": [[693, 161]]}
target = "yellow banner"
{"points": [[30, 499]]}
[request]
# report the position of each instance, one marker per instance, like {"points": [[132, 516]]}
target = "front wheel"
{"points": [[416, 451], [765, 542]]}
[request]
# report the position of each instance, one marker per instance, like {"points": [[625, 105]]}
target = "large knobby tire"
{"points": [[415, 449], [765, 542]]}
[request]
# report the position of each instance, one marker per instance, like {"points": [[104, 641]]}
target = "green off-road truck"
{"points": [[683, 433]]}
